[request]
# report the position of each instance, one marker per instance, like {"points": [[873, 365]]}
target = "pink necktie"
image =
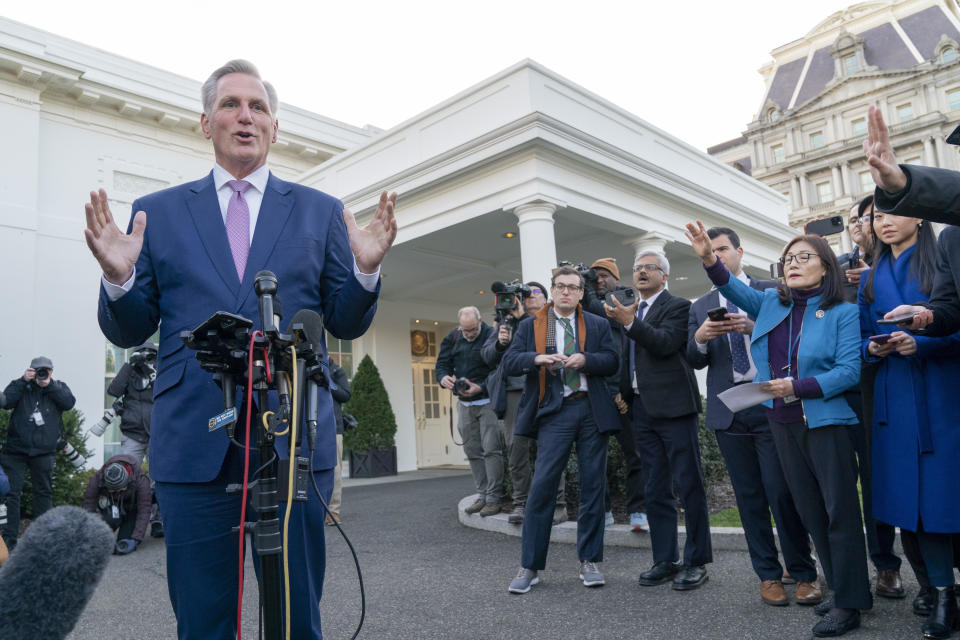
{"points": [[238, 225]]}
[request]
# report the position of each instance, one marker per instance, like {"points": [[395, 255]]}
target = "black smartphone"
{"points": [[626, 297], [880, 339], [825, 226], [898, 320], [717, 315]]}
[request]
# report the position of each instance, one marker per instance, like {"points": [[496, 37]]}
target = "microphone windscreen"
{"points": [[497, 287], [52, 573], [312, 326]]}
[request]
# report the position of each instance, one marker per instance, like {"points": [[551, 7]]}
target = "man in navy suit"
{"points": [[198, 255], [565, 353], [744, 438]]}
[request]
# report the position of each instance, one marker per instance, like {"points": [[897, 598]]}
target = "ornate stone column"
{"points": [[839, 189]]}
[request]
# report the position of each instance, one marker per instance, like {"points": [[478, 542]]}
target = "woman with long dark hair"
{"points": [[805, 345], [915, 440]]}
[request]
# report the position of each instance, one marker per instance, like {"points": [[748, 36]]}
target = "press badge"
{"points": [[37, 417], [115, 512]]}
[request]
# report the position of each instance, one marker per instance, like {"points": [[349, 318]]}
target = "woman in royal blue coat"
{"points": [[916, 440]]}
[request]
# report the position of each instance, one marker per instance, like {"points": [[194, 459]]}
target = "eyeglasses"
{"points": [[470, 332], [536, 290], [646, 267], [864, 220], [563, 288], [801, 258]]}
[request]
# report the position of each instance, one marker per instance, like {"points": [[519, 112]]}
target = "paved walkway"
{"points": [[428, 576]]}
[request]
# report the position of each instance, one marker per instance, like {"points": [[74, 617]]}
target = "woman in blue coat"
{"points": [[916, 440], [805, 344]]}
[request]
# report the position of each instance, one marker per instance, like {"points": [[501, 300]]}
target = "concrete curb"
{"points": [[617, 535]]}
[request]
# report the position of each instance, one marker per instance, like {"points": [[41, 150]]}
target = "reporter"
{"points": [[809, 416], [915, 440]]}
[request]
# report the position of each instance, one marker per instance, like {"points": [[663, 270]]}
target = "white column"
{"points": [[804, 190], [794, 193], [940, 157], [852, 187], [929, 152], [538, 245], [838, 186]]}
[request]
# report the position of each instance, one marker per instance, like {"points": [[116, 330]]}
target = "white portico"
{"points": [[574, 177]]}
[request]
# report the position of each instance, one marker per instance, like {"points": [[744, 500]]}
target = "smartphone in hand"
{"points": [[883, 338], [717, 315]]}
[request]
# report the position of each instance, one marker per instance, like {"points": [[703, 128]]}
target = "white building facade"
{"points": [[525, 152]]}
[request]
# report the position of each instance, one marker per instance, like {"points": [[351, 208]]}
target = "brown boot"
{"points": [[772, 593], [808, 593], [478, 504], [889, 584]]}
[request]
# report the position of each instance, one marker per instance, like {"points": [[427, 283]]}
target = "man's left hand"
{"points": [[740, 323], [371, 243], [623, 315], [576, 362], [472, 390]]}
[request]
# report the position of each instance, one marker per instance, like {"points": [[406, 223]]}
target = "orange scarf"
{"points": [[544, 315]]}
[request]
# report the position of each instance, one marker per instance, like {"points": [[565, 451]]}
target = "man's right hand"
{"points": [[504, 335], [921, 316], [884, 169], [447, 382], [545, 359], [29, 375], [116, 251], [711, 329]]}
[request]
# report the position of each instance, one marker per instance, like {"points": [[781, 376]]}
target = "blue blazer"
{"points": [[602, 360], [829, 348], [185, 274]]}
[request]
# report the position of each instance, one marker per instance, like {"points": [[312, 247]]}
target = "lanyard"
{"points": [[793, 344]]}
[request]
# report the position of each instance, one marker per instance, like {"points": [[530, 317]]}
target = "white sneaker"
{"points": [[608, 519]]}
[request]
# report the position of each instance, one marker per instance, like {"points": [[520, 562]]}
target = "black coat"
{"points": [[934, 194], [24, 437], [461, 358], [340, 390], [136, 387], [668, 388], [717, 357]]}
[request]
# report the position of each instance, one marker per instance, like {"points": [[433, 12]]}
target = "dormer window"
{"points": [[948, 54], [850, 64], [947, 50], [848, 59], [773, 115]]}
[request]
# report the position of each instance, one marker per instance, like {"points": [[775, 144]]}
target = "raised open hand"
{"points": [[884, 169], [700, 242], [115, 250], [371, 243]]}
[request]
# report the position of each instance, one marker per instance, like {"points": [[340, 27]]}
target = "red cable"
{"points": [[246, 475]]}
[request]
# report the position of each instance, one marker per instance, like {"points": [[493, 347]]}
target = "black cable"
{"points": [[356, 561]]}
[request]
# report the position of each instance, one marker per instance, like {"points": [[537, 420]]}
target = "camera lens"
{"points": [[43, 374]]}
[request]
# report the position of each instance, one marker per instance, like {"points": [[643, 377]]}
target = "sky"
{"points": [[689, 68]]}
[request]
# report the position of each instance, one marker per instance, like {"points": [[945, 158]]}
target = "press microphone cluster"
{"points": [[52, 573]]}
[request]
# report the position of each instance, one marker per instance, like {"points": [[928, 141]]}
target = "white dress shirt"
{"points": [[560, 333], [254, 198]]}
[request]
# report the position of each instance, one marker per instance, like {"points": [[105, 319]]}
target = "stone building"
{"points": [[805, 140]]}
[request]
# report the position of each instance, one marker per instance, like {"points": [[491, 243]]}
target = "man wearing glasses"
{"points": [[564, 353], [854, 263], [461, 369], [665, 399]]}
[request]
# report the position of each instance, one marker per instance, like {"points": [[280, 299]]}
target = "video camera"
{"points": [[143, 357], [506, 298], [588, 274]]}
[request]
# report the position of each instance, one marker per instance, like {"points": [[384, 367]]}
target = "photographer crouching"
{"points": [[37, 401], [461, 369], [120, 493]]}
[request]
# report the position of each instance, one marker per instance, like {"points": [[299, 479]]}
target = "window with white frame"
{"points": [[777, 153], [866, 182], [905, 112], [817, 140], [948, 54], [953, 99], [858, 127], [824, 191], [850, 64], [341, 352]]}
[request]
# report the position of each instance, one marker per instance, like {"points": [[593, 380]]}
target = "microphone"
{"points": [[52, 573], [265, 286], [497, 287], [313, 332]]}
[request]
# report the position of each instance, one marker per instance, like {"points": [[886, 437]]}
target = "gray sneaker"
{"points": [[475, 507], [591, 575], [489, 509], [525, 579], [559, 514], [517, 516]]}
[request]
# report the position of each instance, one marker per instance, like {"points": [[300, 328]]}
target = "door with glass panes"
{"points": [[432, 419]]}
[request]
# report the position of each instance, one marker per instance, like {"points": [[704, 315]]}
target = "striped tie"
{"points": [[571, 378]]}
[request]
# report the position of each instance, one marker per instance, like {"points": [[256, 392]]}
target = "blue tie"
{"points": [[633, 345], [738, 346]]}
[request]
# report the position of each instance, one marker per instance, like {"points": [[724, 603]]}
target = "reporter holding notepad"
{"points": [[805, 345]]}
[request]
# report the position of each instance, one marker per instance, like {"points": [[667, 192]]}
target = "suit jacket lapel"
{"points": [[205, 211], [656, 309], [274, 211]]}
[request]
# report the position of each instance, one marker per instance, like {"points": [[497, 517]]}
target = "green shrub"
{"points": [[68, 483], [370, 405]]}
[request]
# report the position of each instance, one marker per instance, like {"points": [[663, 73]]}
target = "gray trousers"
{"points": [[481, 444], [131, 447], [519, 451]]}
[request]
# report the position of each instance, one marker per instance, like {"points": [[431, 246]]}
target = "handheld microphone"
{"points": [[52, 573], [265, 286], [313, 331]]}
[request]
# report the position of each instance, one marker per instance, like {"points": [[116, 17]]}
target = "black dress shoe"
{"points": [[824, 607], [925, 601], [945, 618], [659, 573], [690, 578], [837, 623]]}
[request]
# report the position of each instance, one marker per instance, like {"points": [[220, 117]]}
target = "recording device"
{"points": [[825, 226], [72, 455], [461, 385], [627, 297], [553, 367], [588, 274], [143, 357], [42, 373], [109, 416], [506, 298], [898, 320], [48, 580], [239, 357], [717, 315], [883, 338]]}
